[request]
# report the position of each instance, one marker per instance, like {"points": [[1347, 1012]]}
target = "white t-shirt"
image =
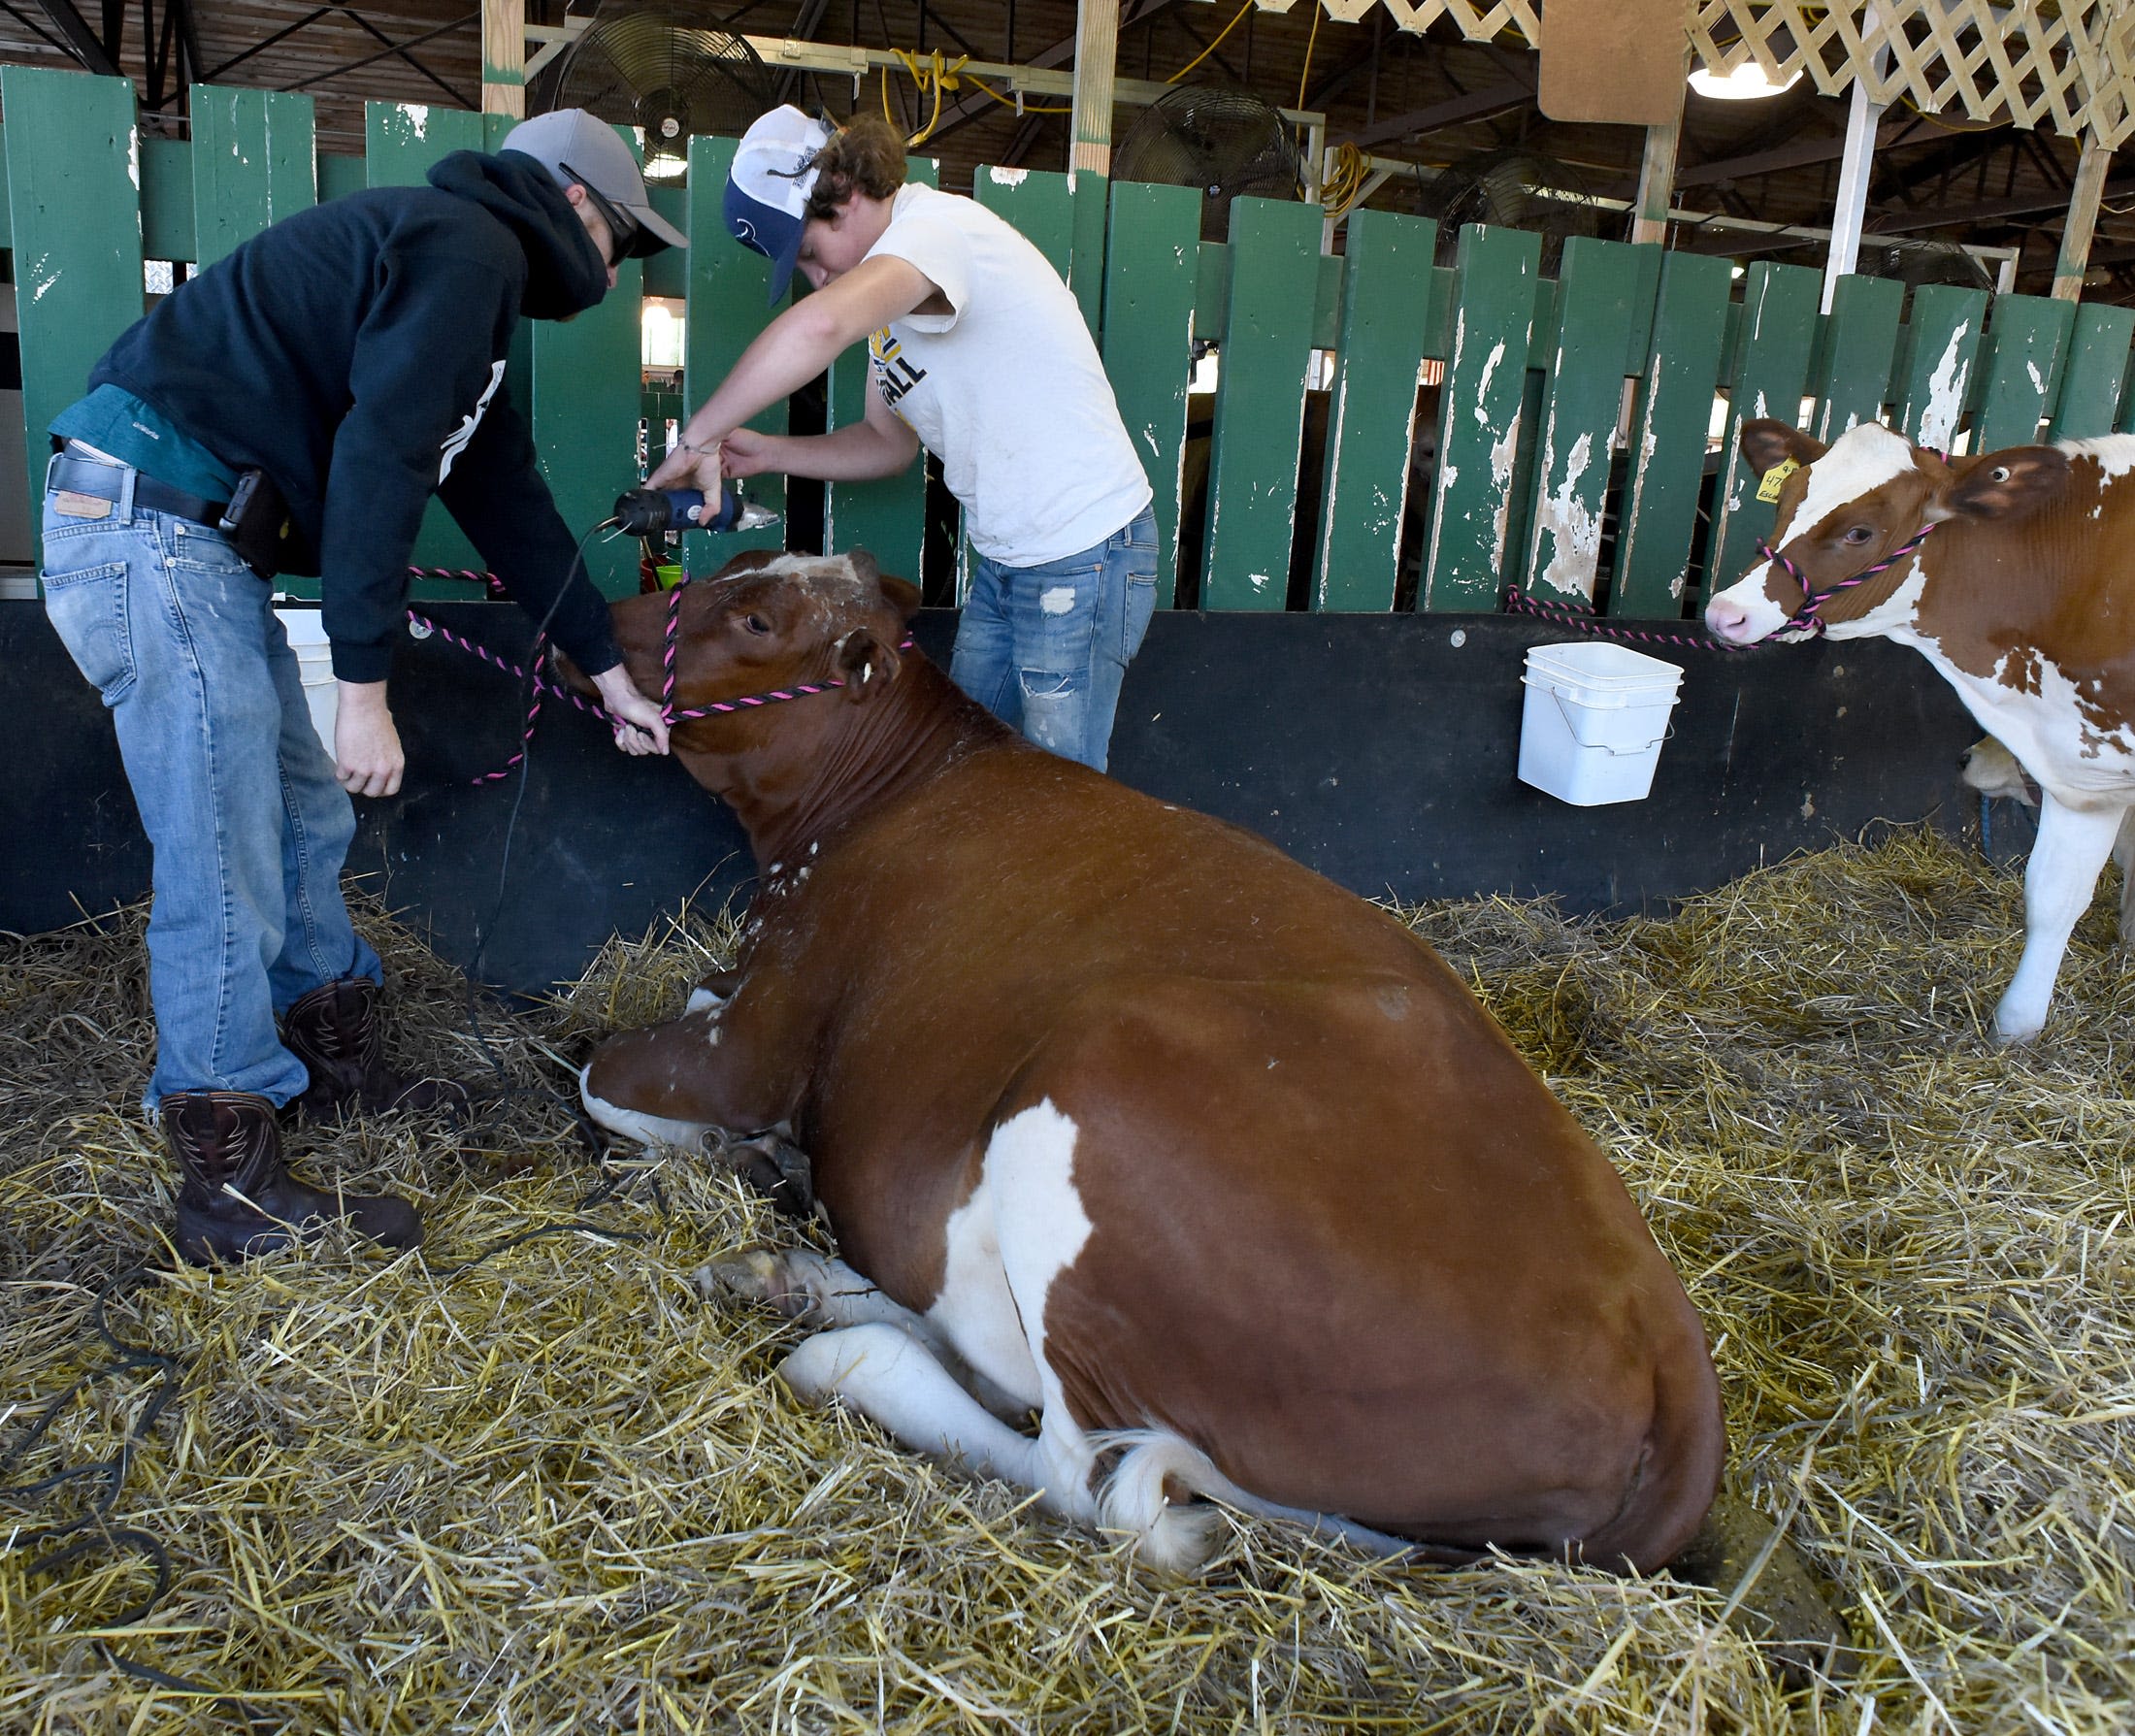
{"points": [[1006, 389]]}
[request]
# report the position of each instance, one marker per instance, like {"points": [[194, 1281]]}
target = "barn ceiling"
{"points": [[1429, 99]]}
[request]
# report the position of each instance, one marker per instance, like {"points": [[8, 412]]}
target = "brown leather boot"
{"points": [[227, 1144], [334, 1031]]}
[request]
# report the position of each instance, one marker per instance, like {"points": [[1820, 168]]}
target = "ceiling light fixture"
{"points": [[1746, 83]]}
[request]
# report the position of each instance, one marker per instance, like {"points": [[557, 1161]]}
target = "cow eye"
{"points": [[756, 624], [1859, 534]]}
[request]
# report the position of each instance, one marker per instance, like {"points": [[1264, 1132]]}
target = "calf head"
{"points": [[766, 625], [1849, 508]]}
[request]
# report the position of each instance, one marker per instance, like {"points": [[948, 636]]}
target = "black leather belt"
{"points": [[107, 482]]}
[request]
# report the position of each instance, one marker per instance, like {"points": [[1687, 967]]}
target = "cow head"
{"points": [[1849, 506], [767, 623]]}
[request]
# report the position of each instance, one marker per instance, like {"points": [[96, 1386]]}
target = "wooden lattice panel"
{"points": [[2066, 65]]}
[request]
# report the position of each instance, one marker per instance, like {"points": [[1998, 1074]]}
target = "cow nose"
{"points": [[1726, 619]]}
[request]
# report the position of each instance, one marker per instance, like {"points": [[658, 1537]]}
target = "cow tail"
{"points": [[1150, 1495]]}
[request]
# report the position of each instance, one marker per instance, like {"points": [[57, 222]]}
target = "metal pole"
{"points": [[504, 58], [1097, 49], [1861, 118], [2082, 218]]}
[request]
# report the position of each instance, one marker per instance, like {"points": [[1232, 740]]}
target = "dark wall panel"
{"points": [[1379, 749]]}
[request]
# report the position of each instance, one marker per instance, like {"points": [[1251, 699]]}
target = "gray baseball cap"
{"points": [[580, 147]]}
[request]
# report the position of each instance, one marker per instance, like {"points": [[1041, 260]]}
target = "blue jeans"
{"points": [[1045, 647], [235, 790]]}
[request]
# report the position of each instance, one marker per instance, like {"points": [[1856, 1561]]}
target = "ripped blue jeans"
{"points": [[1044, 648]]}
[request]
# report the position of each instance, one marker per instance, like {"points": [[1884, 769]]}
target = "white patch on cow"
{"points": [[2073, 758], [649, 1130], [702, 999], [2114, 453], [1891, 617], [1859, 461], [1023, 1225], [1761, 617], [1057, 601]]}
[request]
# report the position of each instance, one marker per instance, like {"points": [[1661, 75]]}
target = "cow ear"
{"points": [[866, 664], [900, 594], [2006, 484], [1768, 442]]}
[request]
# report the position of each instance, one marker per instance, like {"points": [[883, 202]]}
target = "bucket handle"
{"points": [[1614, 753]]}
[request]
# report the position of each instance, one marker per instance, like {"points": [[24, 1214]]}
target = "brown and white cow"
{"points": [[2022, 595], [1126, 1121]]}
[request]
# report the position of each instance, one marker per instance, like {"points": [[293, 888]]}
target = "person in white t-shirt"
{"points": [[979, 350]]}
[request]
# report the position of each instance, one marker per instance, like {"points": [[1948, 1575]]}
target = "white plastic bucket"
{"points": [[314, 667], [1594, 718]]}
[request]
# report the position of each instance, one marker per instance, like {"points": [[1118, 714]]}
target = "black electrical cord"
{"points": [[483, 930]]}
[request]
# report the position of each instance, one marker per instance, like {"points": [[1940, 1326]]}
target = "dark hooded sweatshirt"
{"points": [[355, 352]]}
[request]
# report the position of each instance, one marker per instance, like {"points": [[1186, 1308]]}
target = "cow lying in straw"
{"points": [[2013, 574], [1126, 1121]]}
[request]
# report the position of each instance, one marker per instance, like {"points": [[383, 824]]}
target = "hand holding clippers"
{"points": [[660, 512]]}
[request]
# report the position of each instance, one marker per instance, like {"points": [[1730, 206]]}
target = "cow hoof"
{"points": [[777, 1168], [2015, 1032], [1781, 1604], [760, 1275]]}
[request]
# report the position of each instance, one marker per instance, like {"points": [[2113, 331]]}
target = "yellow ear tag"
{"points": [[1768, 488]]}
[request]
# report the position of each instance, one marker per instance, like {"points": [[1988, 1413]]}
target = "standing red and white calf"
{"points": [[2011, 572]]}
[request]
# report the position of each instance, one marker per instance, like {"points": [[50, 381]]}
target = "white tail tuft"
{"points": [[1175, 1538]]}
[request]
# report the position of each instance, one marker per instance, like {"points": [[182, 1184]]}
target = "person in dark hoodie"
{"points": [[351, 359]]}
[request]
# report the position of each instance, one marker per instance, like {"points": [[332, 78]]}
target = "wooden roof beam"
{"points": [[1800, 155], [2024, 205], [1475, 106]]}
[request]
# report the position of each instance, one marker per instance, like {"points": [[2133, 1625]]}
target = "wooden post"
{"points": [[504, 58], [2082, 218], [1097, 49], [1655, 182]]}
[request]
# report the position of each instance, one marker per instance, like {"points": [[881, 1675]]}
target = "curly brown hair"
{"points": [[866, 155]]}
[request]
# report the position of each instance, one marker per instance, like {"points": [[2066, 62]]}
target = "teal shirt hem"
{"points": [[133, 431]]}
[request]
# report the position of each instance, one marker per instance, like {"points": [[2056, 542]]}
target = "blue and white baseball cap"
{"points": [[768, 188]]}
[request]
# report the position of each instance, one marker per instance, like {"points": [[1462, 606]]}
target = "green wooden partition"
{"points": [[1151, 279], [1673, 409], [1259, 403], [1611, 394], [74, 227], [2092, 382], [1775, 332], [1378, 352], [1479, 417]]}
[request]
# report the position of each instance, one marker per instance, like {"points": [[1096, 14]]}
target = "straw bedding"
{"points": [[560, 1489]]}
